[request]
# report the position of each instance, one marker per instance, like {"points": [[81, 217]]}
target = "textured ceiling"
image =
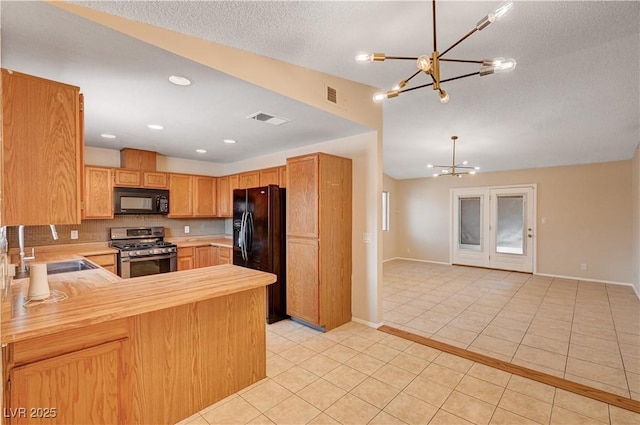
{"points": [[573, 98]]}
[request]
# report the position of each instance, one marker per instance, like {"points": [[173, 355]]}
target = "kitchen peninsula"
{"points": [[153, 349]]}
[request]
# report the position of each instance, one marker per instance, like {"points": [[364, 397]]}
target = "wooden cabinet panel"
{"points": [[102, 259], [155, 180], [225, 200], [249, 179], [129, 178], [138, 159], [186, 258], [42, 157], [282, 176], [302, 196], [224, 256], [98, 193], [205, 196], [319, 239], [206, 256], [269, 176], [87, 380], [303, 299], [180, 195]]}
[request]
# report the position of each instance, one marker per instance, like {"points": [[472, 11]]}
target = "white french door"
{"points": [[494, 227]]}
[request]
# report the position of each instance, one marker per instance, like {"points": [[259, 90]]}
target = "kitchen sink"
{"points": [[70, 266]]}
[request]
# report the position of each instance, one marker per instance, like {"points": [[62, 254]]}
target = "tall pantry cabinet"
{"points": [[319, 239]]}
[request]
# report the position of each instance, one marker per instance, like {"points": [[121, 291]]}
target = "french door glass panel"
{"points": [[470, 226], [493, 227], [510, 225]]}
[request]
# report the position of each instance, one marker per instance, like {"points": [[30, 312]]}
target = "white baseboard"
{"points": [[390, 259], [422, 261], [610, 282], [364, 322]]}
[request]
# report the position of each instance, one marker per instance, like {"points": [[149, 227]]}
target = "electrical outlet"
{"points": [[74, 234], [186, 229], [366, 238], [583, 266]]}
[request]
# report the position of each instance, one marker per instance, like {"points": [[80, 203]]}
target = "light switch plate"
{"points": [[186, 229], [74, 234]]}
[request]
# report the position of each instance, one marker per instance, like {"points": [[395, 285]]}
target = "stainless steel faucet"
{"points": [[23, 257]]}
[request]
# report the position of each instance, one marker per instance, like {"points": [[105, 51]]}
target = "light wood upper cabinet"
{"points": [[302, 197], [282, 176], [98, 192], [128, 178], [42, 151], [269, 176], [205, 200], [319, 191], [138, 159], [224, 199], [249, 179], [180, 195], [125, 177], [155, 180], [192, 196]]}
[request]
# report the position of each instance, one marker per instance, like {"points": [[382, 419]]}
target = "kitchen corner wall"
{"points": [[390, 237], [98, 230], [635, 199]]}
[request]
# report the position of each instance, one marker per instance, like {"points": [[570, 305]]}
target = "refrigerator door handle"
{"points": [[242, 235], [249, 230]]}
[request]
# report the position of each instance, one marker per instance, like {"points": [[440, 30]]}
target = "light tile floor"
{"points": [[584, 332], [358, 375]]}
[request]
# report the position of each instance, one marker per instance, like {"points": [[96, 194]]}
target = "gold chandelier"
{"points": [[454, 170], [430, 64]]}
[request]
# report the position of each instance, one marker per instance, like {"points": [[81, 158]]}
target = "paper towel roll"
{"points": [[38, 282]]}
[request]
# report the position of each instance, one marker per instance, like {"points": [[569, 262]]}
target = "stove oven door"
{"points": [[144, 266]]}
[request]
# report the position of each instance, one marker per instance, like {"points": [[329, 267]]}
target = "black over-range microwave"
{"points": [[130, 200]]}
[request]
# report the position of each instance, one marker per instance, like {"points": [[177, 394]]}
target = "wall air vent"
{"points": [[268, 118], [332, 95]]}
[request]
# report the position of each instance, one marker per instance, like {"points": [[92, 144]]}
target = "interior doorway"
{"points": [[494, 227]]}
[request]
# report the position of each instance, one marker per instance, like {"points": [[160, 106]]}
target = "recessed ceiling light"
{"points": [[180, 81], [201, 151], [155, 126], [229, 141], [108, 136]]}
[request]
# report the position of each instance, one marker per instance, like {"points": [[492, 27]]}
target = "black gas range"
{"points": [[143, 251]]}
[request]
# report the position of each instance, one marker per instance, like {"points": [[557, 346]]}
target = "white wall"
{"points": [[635, 199]]}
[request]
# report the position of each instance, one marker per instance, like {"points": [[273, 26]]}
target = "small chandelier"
{"points": [[430, 64], [455, 170]]}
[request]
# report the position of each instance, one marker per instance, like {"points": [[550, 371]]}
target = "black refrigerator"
{"points": [[259, 240]]}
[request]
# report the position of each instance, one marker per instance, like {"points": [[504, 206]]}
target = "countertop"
{"points": [[214, 240], [96, 296]]}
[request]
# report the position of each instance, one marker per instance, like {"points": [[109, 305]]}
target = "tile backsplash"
{"points": [[98, 230]]}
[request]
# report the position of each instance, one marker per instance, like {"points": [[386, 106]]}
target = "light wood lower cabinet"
{"points": [[87, 381], [224, 256], [106, 261], [303, 292], [186, 258], [206, 256]]}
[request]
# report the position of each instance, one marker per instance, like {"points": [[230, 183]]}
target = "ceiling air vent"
{"points": [[269, 119], [332, 95]]}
